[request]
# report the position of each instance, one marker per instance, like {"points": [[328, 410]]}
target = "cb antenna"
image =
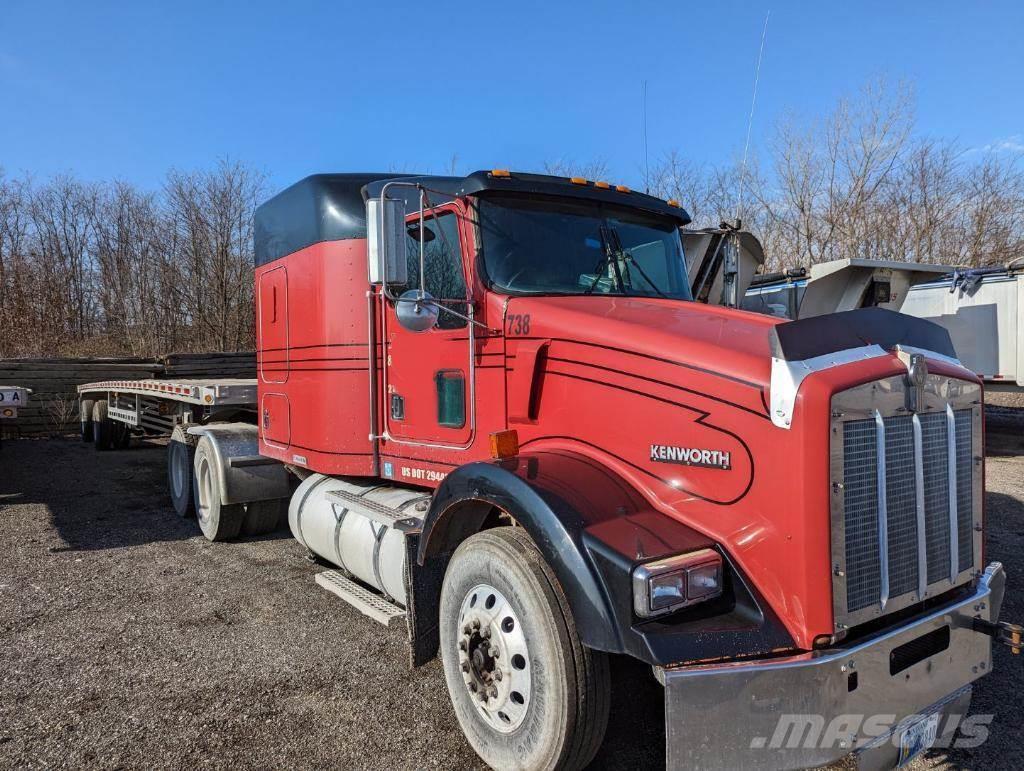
{"points": [[647, 168], [750, 120]]}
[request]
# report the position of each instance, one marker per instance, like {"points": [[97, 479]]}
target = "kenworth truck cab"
{"points": [[516, 432]]}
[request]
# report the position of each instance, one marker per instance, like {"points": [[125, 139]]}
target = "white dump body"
{"points": [[984, 321], [840, 285]]}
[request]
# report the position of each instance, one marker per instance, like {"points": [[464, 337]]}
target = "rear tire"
{"points": [[218, 521], [549, 708], [85, 419], [261, 517], [102, 426], [181, 458], [122, 435]]}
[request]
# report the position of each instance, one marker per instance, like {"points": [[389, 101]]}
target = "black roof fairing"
{"points": [[321, 207], [332, 207]]}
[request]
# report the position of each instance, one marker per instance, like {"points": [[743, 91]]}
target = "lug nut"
{"points": [[486, 633], [483, 696], [476, 625], [467, 629], [473, 687], [497, 675], [465, 666], [493, 693], [463, 646]]}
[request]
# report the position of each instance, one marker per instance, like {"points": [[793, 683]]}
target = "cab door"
{"points": [[427, 374]]}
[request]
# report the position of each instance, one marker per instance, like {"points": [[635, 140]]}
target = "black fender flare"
{"points": [[587, 522]]}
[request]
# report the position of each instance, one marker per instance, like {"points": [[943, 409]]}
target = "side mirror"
{"points": [[416, 310], [386, 235]]}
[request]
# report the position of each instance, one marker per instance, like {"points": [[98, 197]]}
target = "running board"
{"points": [[359, 597], [378, 512]]}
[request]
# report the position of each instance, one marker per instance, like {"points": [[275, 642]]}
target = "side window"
{"points": [[442, 258]]}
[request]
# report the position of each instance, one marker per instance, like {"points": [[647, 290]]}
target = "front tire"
{"points": [[526, 692]]}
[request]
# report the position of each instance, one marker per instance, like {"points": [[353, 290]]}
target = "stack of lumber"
{"points": [[53, 404], [205, 365]]}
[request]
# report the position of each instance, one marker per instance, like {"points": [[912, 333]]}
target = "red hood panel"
{"points": [[673, 397]]}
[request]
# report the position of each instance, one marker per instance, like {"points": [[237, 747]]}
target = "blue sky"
{"points": [[127, 90]]}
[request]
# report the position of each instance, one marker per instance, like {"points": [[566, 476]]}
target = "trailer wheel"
{"points": [[102, 426], [218, 521], [85, 418], [526, 692], [261, 517], [122, 435], [181, 458]]}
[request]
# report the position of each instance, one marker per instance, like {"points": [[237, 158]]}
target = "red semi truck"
{"points": [[510, 426]]}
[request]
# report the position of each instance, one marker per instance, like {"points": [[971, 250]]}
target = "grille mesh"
{"points": [[964, 488], [901, 504], [936, 494], [860, 503]]}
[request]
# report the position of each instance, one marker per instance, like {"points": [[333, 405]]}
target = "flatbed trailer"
{"points": [[160, 405]]}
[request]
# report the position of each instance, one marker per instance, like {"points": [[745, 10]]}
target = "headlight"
{"points": [[672, 583]]}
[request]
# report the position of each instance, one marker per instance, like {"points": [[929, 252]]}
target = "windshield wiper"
{"points": [[628, 257], [611, 257]]}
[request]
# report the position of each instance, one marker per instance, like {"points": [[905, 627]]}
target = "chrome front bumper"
{"points": [[813, 709]]}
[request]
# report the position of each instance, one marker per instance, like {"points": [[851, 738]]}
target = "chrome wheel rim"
{"points": [[494, 658], [179, 459], [205, 493]]}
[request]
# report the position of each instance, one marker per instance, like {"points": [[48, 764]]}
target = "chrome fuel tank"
{"points": [[370, 551]]}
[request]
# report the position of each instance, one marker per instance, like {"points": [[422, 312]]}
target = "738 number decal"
{"points": [[517, 324]]}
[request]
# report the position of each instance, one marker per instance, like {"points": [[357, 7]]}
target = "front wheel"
{"points": [[526, 692]]}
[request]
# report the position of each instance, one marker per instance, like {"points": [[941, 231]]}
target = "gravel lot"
{"points": [[127, 640]]}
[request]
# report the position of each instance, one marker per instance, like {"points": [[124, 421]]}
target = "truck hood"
{"points": [[720, 341]]}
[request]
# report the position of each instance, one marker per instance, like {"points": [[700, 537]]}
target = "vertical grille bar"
{"points": [[922, 545], [954, 549], [883, 515]]}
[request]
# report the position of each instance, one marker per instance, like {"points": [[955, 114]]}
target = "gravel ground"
{"points": [[127, 640]]}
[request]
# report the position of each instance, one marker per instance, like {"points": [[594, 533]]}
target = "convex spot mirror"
{"points": [[416, 310]]}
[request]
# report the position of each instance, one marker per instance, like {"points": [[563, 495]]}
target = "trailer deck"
{"points": [[145, 403]]}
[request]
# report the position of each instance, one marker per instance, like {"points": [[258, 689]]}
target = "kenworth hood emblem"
{"points": [[690, 456]]}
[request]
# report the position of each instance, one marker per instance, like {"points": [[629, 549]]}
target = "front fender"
{"points": [[590, 525]]}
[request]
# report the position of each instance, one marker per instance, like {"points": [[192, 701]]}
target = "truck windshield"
{"points": [[570, 247]]}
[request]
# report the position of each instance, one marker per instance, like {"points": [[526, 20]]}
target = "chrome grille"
{"points": [[906, 495]]}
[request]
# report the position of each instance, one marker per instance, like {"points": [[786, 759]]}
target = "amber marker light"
{"points": [[673, 202], [578, 180], [602, 185], [500, 173], [505, 444], [622, 189]]}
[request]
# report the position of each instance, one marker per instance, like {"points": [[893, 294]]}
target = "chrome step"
{"points": [[403, 521], [359, 597]]}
